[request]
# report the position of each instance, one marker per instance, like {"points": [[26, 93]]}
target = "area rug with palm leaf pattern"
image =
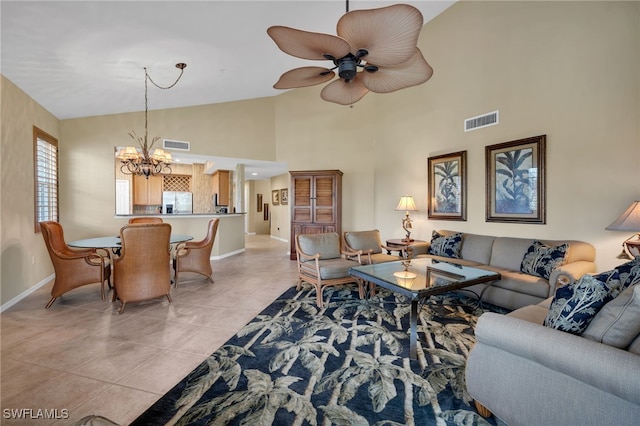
{"points": [[345, 364]]}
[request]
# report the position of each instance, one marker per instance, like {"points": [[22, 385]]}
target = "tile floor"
{"points": [[83, 357]]}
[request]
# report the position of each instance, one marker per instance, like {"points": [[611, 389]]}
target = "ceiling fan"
{"points": [[375, 50]]}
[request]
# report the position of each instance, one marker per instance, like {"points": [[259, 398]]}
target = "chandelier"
{"points": [[139, 161]]}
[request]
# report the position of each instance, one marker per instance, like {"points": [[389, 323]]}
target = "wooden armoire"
{"points": [[316, 203]]}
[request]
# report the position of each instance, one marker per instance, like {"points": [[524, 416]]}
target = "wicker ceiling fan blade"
{"points": [[389, 34], [410, 73], [345, 92], [303, 77], [308, 45]]}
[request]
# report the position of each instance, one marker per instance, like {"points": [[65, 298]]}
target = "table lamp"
{"points": [[629, 221], [408, 205]]}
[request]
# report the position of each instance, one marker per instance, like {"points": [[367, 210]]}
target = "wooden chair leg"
{"points": [[169, 298], [482, 410], [319, 296], [53, 299]]}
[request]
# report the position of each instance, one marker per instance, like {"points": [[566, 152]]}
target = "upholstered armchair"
{"points": [[142, 271], [195, 256], [151, 219], [368, 246], [73, 267], [322, 264]]}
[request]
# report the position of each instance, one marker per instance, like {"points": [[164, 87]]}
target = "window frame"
{"points": [[39, 134]]}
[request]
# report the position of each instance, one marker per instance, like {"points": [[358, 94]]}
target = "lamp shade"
{"points": [[628, 221], [407, 204]]}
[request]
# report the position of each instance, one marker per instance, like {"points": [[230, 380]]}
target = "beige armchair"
{"points": [[142, 271], [322, 264], [195, 256], [73, 267], [368, 245]]}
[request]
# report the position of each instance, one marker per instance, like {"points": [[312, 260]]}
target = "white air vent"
{"points": [[484, 120], [177, 145]]}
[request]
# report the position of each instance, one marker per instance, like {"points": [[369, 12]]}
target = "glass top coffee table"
{"points": [[420, 279]]}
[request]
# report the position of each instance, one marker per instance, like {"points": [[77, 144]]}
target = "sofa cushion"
{"points": [[507, 252], [532, 313], [634, 347], [575, 305], [618, 322], [540, 259], [477, 248], [520, 282], [445, 246]]}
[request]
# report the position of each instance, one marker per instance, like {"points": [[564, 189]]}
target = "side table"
{"points": [[400, 245]]}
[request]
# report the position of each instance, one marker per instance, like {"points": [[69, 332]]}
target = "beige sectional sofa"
{"points": [[504, 255], [526, 373]]}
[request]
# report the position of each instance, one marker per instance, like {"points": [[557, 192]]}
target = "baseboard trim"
{"points": [[279, 238], [25, 293], [231, 253]]}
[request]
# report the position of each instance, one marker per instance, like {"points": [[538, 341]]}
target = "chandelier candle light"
{"points": [[408, 205], [629, 221], [140, 163]]}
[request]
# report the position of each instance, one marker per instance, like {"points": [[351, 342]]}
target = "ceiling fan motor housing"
{"points": [[347, 67]]}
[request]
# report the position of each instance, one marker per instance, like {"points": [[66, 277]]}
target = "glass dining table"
{"points": [[114, 243]]}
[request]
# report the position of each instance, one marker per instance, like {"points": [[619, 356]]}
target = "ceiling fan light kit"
{"points": [[375, 51]]}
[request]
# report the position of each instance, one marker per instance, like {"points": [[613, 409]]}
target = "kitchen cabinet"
{"points": [[221, 187], [147, 192], [316, 203]]}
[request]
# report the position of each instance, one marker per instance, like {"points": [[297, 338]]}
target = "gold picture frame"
{"points": [[284, 196], [275, 197]]}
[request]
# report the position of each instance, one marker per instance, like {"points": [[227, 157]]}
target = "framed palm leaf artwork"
{"points": [[516, 181], [447, 186]]}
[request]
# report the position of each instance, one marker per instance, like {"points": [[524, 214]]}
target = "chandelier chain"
{"points": [[147, 163]]}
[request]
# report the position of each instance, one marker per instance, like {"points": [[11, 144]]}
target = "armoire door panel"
{"points": [[315, 204], [325, 216]]}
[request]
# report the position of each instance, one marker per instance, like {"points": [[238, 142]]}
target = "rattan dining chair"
{"points": [[195, 256], [142, 271], [151, 219], [73, 267]]}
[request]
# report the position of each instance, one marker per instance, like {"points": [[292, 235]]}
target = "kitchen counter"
{"points": [[229, 238]]}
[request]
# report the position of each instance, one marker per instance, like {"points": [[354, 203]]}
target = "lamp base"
{"points": [[632, 248]]}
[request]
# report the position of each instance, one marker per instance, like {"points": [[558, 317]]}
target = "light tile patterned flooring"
{"points": [[83, 357]]}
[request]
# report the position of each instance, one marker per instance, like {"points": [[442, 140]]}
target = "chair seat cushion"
{"points": [[335, 268], [382, 257]]}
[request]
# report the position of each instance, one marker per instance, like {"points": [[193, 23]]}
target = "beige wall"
{"points": [[24, 261], [256, 223], [279, 221], [570, 70]]}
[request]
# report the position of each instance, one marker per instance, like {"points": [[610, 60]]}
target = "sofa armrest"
{"points": [[419, 248], [604, 367], [569, 273]]}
